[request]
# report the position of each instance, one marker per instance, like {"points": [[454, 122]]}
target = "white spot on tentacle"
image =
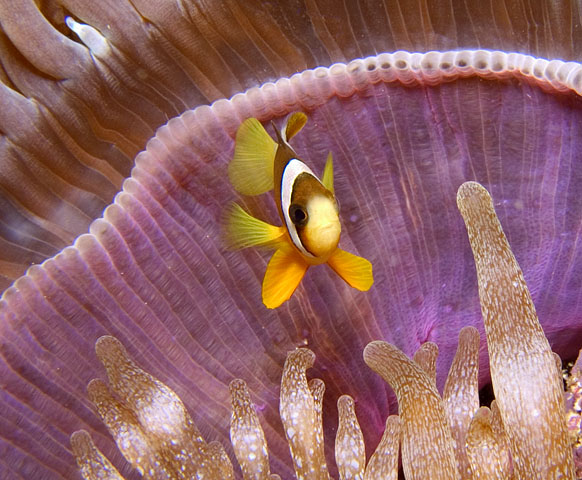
{"points": [[91, 37]]}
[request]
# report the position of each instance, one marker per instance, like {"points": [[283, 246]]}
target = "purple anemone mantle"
{"points": [[405, 131], [154, 274]]}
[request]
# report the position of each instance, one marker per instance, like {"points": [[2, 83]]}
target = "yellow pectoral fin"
{"points": [[356, 271], [284, 273], [251, 168], [327, 177], [242, 230], [294, 125]]}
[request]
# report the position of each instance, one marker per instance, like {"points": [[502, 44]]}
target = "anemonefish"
{"points": [[309, 212]]}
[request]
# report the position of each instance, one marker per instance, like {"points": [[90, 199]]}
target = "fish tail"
{"points": [[251, 169], [284, 273], [242, 230], [356, 271]]}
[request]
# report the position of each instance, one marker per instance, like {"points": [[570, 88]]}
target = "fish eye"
{"points": [[298, 215]]}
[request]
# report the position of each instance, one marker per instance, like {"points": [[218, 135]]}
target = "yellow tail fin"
{"points": [[284, 273], [251, 169], [295, 123], [327, 177], [242, 230], [356, 271]]}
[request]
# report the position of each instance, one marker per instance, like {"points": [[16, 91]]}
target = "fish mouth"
{"points": [[323, 239]]}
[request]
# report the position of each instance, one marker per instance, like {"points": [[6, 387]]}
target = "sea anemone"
{"points": [[85, 87], [524, 436]]}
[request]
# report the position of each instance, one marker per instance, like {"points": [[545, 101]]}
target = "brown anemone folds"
{"points": [[85, 85]]}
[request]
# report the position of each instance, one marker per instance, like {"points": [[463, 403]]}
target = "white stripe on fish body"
{"points": [[294, 168]]}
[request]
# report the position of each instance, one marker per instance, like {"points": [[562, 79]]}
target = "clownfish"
{"points": [[310, 230]]}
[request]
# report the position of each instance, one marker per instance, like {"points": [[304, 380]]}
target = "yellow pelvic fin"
{"points": [[356, 271], [251, 169], [295, 123], [242, 230], [284, 273], [327, 177]]}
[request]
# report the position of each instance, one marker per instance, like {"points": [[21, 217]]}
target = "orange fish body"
{"points": [[310, 230]]}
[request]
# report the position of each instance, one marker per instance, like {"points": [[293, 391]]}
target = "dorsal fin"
{"points": [[295, 123], [327, 177], [251, 168]]}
